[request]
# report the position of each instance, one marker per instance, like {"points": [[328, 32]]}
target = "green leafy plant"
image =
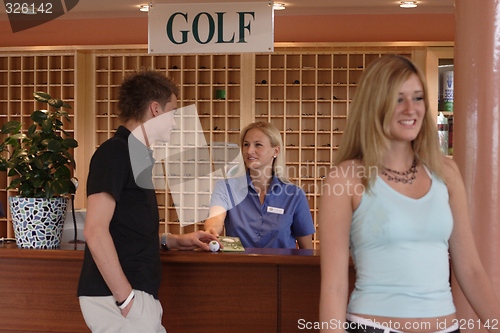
{"points": [[39, 160]]}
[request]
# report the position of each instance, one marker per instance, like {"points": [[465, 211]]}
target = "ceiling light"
{"points": [[278, 6], [408, 4], [144, 8]]}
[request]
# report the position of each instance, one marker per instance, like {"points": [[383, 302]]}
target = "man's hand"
{"points": [[192, 240]]}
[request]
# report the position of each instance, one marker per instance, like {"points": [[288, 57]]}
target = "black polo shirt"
{"points": [[135, 223]]}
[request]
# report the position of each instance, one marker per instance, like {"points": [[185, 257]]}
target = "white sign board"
{"points": [[211, 28]]}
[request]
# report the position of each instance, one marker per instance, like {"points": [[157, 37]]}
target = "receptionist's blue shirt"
{"points": [[276, 223]]}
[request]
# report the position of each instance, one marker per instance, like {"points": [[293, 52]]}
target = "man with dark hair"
{"points": [[120, 278]]}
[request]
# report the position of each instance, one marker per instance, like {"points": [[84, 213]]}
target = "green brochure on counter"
{"points": [[231, 244]]}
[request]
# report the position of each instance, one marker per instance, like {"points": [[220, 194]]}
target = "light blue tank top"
{"points": [[399, 246]]}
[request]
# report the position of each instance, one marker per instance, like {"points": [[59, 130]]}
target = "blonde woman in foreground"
{"points": [[399, 207]]}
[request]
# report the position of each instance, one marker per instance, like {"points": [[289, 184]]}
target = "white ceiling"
{"points": [[130, 8]]}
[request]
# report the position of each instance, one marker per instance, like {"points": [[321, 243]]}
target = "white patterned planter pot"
{"points": [[38, 222]]}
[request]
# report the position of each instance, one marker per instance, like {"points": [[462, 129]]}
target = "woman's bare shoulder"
{"points": [[451, 172]]}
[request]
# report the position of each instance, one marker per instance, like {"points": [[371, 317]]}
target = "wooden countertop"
{"points": [[256, 255], [259, 290], [251, 255]]}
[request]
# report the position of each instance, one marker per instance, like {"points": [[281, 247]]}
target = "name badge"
{"points": [[275, 210]]}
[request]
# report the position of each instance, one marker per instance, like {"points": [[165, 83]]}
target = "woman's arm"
{"points": [[334, 222], [100, 209], [302, 223], [465, 259], [214, 224], [305, 242]]}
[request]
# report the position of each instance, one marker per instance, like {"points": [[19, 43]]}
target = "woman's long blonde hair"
{"points": [[366, 136], [274, 135]]}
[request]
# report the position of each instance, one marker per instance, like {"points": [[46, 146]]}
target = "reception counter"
{"points": [[259, 290]]}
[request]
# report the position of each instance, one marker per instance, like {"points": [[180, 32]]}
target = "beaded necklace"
{"points": [[405, 177]]}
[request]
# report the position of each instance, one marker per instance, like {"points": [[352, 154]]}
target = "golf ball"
{"points": [[214, 246]]}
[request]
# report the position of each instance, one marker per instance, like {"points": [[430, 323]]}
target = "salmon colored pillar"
{"points": [[476, 138]]}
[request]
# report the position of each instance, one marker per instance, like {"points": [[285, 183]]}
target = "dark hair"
{"points": [[140, 88]]}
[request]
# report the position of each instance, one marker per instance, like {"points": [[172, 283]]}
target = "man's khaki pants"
{"points": [[103, 316]]}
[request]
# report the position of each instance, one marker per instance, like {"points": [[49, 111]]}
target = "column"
{"points": [[477, 130]]}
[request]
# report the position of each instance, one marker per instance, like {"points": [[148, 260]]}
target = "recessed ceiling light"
{"points": [[278, 6], [407, 4], [144, 8]]}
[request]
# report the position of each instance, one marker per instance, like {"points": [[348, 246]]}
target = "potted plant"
{"points": [[40, 162]]}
